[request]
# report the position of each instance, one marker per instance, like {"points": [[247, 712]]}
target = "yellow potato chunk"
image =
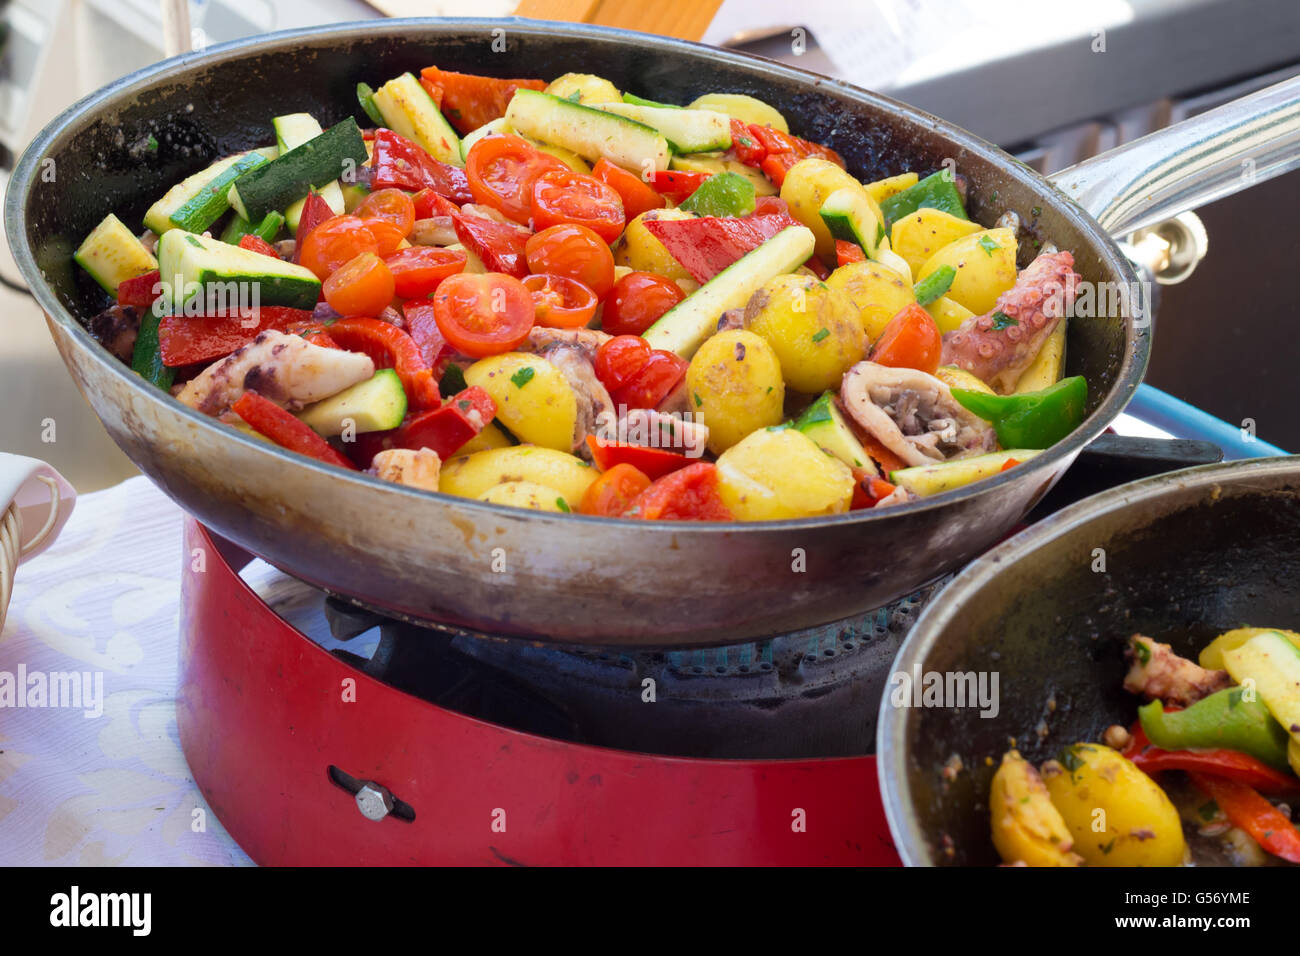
{"points": [[747, 109], [734, 384], [534, 399], [590, 89], [876, 291], [919, 235], [526, 494], [985, 263], [813, 328], [642, 252], [1026, 827], [470, 476], [807, 185], [777, 473]]}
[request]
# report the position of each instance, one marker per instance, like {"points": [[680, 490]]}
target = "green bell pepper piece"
{"points": [[146, 359], [1224, 720], [937, 191], [1030, 419], [724, 194], [937, 283]]}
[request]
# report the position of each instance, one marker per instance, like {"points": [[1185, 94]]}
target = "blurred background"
{"points": [[1052, 81]]}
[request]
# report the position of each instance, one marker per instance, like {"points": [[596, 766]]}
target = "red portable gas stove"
{"points": [[321, 733], [324, 734]]}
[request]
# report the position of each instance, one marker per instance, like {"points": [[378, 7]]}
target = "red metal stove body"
{"points": [[263, 714]]}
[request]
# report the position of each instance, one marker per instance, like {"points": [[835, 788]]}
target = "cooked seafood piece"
{"points": [[408, 466], [1156, 671], [913, 414]]}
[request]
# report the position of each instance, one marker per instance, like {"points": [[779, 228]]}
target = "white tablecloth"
{"points": [[111, 789]]}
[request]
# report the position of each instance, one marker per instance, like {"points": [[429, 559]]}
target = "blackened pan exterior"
{"points": [[437, 558], [1186, 555]]}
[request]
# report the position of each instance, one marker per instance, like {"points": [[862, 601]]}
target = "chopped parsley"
{"points": [[1208, 811], [1003, 321], [1070, 760], [1109, 846], [562, 505], [988, 244], [821, 335], [1142, 651], [698, 401], [523, 376], [152, 144], [575, 96], [463, 404], [745, 141]]}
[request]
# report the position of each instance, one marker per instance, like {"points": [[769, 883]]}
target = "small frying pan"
{"points": [[429, 557], [1187, 555]]}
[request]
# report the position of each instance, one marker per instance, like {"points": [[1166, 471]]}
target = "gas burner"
{"points": [[810, 693]]}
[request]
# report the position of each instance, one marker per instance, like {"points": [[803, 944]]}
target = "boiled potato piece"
{"points": [[526, 494], [986, 267], [947, 314], [1026, 827], [642, 252], [1049, 364], [747, 109], [734, 384], [714, 163], [490, 437], [534, 399], [814, 330], [918, 236], [876, 291], [807, 185], [470, 476], [566, 156], [882, 189], [779, 473], [1117, 814], [472, 262], [955, 377], [1211, 656], [590, 89]]}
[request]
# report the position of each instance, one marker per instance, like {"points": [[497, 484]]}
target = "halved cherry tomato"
{"points": [[676, 184], [652, 462], [650, 386], [334, 242], [563, 196], [846, 252], [688, 494], [747, 147], [502, 171], [390, 347], [483, 313], [636, 194], [269, 419], [613, 492], [574, 251], [417, 271], [390, 205], [362, 286], [560, 302], [637, 301], [619, 359], [910, 340], [315, 210]]}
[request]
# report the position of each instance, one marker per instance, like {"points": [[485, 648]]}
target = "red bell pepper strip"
{"points": [[676, 184], [776, 143], [498, 244], [818, 267], [269, 419], [652, 462], [868, 489], [443, 429], [636, 194], [1228, 764], [687, 494], [314, 211], [745, 146], [399, 163], [184, 339], [846, 252], [652, 383], [773, 206], [139, 292], [390, 347], [1246, 809], [467, 100], [707, 245], [424, 331], [257, 244]]}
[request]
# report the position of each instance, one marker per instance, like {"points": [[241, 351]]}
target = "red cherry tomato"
{"points": [[389, 205], [637, 301], [612, 493], [650, 386], [561, 302], [688, 494], [621, 358], [483, 313], [362, 286], [334, 242], [417, 271], [501, 172], [561, 195], [573, 251], [910, 340]]}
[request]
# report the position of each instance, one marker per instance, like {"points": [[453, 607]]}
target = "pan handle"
{"points": [[1189, 164]]}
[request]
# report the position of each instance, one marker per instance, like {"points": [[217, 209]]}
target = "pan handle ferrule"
{"points": [[1192, 163]]}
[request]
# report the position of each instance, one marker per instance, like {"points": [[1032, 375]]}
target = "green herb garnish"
{"points": [[988, 244], [821, 335], [523, 376], [1003, 321]]}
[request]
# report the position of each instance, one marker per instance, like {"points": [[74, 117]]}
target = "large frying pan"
{"points": [[1188, 555], [566, 578]]}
